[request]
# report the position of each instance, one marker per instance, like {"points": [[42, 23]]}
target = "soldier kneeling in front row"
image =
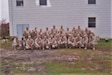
{"points": [[29, 43]]}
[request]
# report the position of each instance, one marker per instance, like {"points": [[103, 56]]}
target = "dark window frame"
{"points": [[19, 3], [91, 1], [92, 22], [43, 2]]}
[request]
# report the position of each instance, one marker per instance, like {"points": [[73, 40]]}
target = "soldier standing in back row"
{"points": [[33, 34], [26, 33]]}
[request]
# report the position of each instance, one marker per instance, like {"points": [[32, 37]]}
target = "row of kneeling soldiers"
{"points": [[56, 38]]}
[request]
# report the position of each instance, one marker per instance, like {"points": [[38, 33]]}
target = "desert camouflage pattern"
{"points": [[56, 38]]}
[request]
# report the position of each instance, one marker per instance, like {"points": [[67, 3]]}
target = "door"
{"points": [[20, 30]]}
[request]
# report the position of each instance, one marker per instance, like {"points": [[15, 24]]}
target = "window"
{"points": [[92, 22], [91, 1], [43, 2], [19, 3]]}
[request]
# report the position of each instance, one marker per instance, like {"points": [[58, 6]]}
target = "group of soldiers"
{"points": [[56, 38]]}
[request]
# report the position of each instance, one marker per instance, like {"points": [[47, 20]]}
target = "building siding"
{"points": [[111, 18], [69, 13]]}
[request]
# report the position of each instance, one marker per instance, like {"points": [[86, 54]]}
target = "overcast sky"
{"points": [[4, 11]]}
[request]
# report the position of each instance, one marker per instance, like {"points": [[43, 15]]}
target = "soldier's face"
{"points": [[61, 27], [27, 28], [54, 27], [78, 27], [46, 28]]}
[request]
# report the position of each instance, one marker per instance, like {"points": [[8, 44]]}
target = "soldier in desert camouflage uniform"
{"points": [[53, 43], [63, 41], [22, 43], [33, 34], [85, 40], [92, 41], [37, 43], [71, 42], [61, 30], [47, 32], [26, 33], [54, 30], [15, 43], [43, 43], [29, 43], [48, 43], [78, 41], [78, 30]]}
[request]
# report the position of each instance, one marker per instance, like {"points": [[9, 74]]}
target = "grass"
{"points": [[100, 64], [63, 74], [78, 68], [103, 44]]}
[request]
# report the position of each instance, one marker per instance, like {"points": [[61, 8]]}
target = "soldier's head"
{"points": [[79, 27], [35, 28], [54, 27], [78, 35], [73, 29], [40, 30], [61, 27], [32, 30], [22, 38], [86, 29], [91, 35], [27, 28], [47, 29], [29, 37], [67, 29]]}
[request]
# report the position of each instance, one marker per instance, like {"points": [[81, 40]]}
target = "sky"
{"points": [[4, 10]]}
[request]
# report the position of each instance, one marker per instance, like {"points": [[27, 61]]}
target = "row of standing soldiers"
{"points": [[54, 38]]}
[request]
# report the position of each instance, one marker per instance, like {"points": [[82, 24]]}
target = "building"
{"points": [[94, 14]]}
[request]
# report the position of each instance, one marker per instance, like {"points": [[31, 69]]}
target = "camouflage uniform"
{"points": [[29, 43], [22, 43], [91, 41], [78, 41], [15, 43], [33, 34], [37, 43], [63, 41], [71, 42], [48, 43], [26, 33], [85, 41]]}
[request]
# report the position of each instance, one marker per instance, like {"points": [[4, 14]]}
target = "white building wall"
{"points": [[69, 13], [111, 18]]}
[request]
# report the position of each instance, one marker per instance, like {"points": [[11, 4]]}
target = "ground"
{"points": [[58, 61]]}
